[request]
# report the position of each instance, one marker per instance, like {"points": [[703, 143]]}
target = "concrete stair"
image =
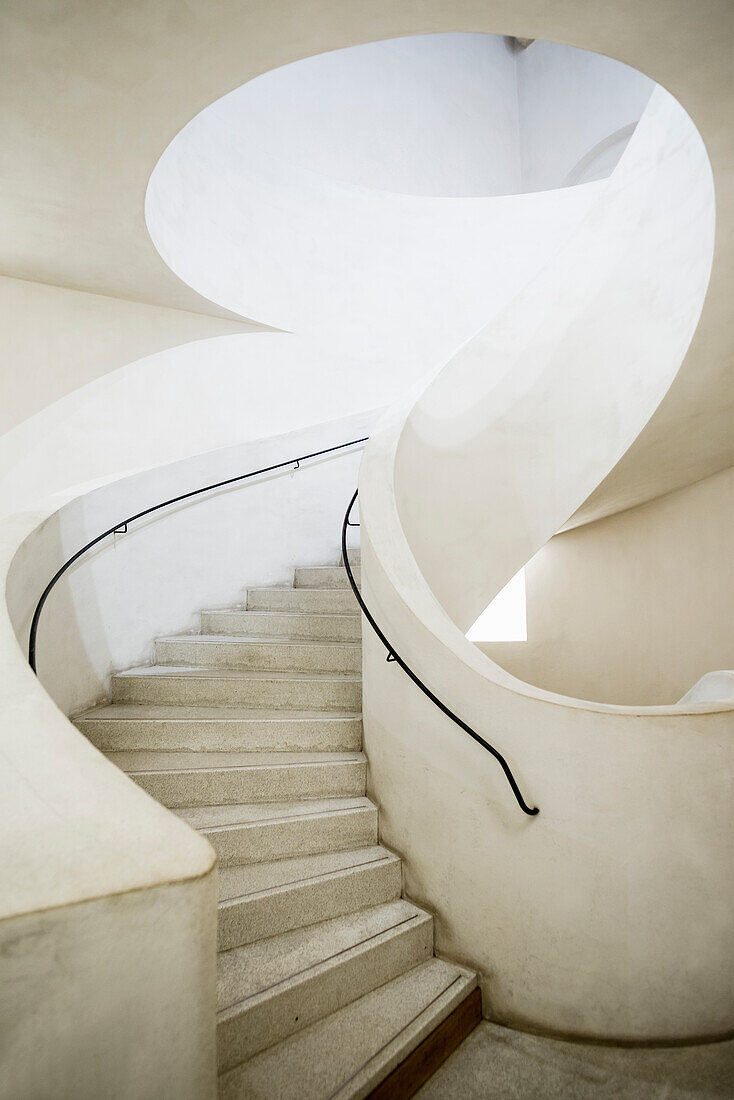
{"points": [[180, 685], [296, 625], [347, 1054], [251, 732], [326, 576], [263, 899], [260, 654], [249, 832], [213, 729], [269, 989], [339, 601], [175, 780]]}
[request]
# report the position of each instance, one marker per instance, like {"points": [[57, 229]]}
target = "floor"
{"points": [[495, 1063]]}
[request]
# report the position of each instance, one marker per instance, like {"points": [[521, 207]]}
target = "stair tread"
{"points": [[259, 968], [347, 1053], [285, 587], [250, 813], [245, 880], [141, 761], [115, 712], [258, 611], [257, 639], [193, 672]]}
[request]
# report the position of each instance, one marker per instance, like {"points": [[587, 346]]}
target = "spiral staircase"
{"points": [[363, 841]]}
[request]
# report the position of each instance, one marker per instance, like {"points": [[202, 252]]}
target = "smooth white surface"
{"points": [[527, 418], [100, 883], [609, 914], [190, 400], [73, 194], [569, 102], [56, 341], [435, 114], [396, 282], [637, 607], [713, 687]]}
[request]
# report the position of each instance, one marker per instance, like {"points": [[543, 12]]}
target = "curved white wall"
{"points": [[381, 288], [277, 201], [569, 103], [435, 115], [609, 914], [107, 902], [634, 608], [523, 423]]}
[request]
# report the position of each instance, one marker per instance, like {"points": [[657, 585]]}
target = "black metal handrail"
{"points": [[122, 526], [392, 655]]}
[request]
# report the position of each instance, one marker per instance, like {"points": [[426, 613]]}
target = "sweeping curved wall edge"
{"points": [[609, 915]]}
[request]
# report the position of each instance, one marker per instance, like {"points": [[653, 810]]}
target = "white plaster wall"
{"points": [[522, 424], [570, 101], [72, 198], [56, 340], [396, 282], [608, 915], [107, 908], [634, 608], [112, 996], [189, 400], [106, 612], [429, 115]]}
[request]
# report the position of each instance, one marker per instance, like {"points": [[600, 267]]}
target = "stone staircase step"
{"points": [[262, 832], [304, 625], [251, 733], [325, 576], [262, 654], [175, 779], [137, 726], [185, 686], [265, 899], [277, 986], [348, 1053], [327, 600]]}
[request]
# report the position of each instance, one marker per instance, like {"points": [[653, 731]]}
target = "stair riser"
{"points": [[271, 735], [263, 784], [384, 1031], [244, 920], [335, 577], [261, 656], [262, 694], [260, 841], [267, 1019], [309, 627], [338, 600]]}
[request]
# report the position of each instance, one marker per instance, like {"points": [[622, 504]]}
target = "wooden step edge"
{"points": [[422, 1063]]}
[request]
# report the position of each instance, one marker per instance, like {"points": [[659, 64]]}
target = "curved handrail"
{"points": [[392, 655], [122, 526]]}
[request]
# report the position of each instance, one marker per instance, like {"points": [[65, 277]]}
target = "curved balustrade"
{"points": [[610, 917]]}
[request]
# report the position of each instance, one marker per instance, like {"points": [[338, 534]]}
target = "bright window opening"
{"points": [[505, 620]]}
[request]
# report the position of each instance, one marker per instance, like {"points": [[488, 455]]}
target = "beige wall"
{"points": [[56, 340], [635, 608]]}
